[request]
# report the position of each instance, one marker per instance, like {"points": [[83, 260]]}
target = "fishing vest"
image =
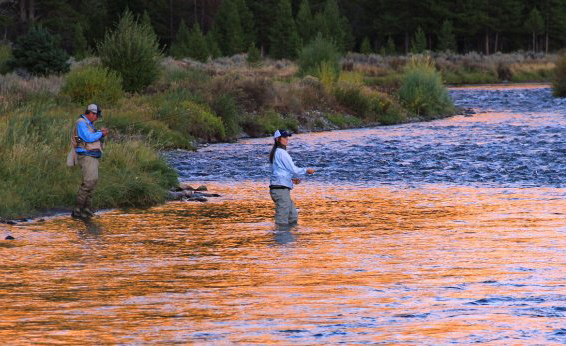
{"points": [[76, 142]]}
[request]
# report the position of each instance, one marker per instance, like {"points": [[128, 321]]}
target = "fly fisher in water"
{"points": [[284, 174]]}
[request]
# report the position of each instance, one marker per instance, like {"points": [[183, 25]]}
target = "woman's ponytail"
{"points": [[276, 144]]}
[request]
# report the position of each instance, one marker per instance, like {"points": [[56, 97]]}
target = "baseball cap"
{"points": [[281, 133], [94, 109]]}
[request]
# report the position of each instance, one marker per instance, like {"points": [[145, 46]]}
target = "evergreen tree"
{"points": [[248, 23], [254, 56], [365, 47], [80, 49], [39, 53], [418, 44], [534, 25], [213, 49], [228, 28], [180, 46], [337, 26], [198, 49], [305, 22], [446, 37], [285, 41], [390, 48]]}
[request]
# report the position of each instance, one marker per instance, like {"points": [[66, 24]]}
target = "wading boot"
{"points": [[80, 213], [88, 211]]}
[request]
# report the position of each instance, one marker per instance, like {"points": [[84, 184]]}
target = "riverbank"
{"points": [[191, 105]]}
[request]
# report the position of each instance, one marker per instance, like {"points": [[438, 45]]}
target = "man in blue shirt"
{"points": [[88, 145]]}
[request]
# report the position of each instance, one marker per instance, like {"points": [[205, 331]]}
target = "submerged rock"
{"points": [[201, 188], [9, 238]]}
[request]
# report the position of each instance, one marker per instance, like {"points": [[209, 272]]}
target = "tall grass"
{"points": [[559, 81], [422, 91], [33, 149]]}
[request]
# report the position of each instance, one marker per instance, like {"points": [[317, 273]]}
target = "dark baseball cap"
{"points": [[281, 133]]}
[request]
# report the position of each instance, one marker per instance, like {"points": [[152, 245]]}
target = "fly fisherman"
{"points": [[283, 174], [87, 145]]}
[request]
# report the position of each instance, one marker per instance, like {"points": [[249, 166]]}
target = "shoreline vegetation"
{"points": [[192, 103], [153, 102]]}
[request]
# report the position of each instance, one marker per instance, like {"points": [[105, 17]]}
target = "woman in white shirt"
{"points": [[283, 174]]}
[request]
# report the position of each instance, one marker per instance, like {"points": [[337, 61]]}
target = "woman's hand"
{"points": [[310, 171], [296, 181]]}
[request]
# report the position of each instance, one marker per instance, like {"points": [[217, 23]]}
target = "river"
{"points": [[449, 231]]}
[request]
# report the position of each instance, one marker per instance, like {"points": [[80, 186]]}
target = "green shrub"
{"points": [[201, 123], [254, 55], [559, 81], [353, 98], [317, 52], [133, 51], [93, 84], [343, 120], [33, 150], [39, 53], [225, 107], [422, 91], [267, 123], [5, 57]]}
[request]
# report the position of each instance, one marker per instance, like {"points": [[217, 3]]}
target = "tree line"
{"points": [[202, 28]]}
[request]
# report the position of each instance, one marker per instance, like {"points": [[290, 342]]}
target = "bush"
{"points": [[422, 91], [352, 97], [225, 107], [93, 84], [559, 81], [39, 53], [342, 120], [267, 123], [201, 123], [133, 51], [317, 52], [5, 57]]}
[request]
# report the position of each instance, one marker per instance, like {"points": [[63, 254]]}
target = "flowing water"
{"points": [[451, 231]]}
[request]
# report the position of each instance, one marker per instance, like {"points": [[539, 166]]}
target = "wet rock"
{"points": [[178, 195], [11, 222], [10, 238], [201, 188], [208, 195], [185, 186], [196, 199]]}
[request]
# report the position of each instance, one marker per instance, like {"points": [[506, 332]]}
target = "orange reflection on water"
{"points": [[430, 265]]}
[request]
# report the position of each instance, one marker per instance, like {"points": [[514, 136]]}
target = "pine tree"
{"points": [[180, 46], [80, 49], [305, 23], [535, 25], [248, 23], [446, 38], [227, 28], [213, 49], [365, 47], [285, 41], [390, 48], [418, 44], [337, 26], [198, 48], [254, 55]]}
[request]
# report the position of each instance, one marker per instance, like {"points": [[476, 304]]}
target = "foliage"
{"points": [[559, 82], [285, 40], [365, 47], [39, 53], [305, 25], [318, 52], [213, 48], [199, 122], [180, 46], [132, 50], [5, 57], [254, 56], [80, 45], [446, 38], [225, 107], [336, 27], [418, 43], [422, 91], [36, 178], [267, 123], [93, 84], [227, 28]]}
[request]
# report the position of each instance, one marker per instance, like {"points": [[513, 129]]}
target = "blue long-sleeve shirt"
{"points": [[283, 169], [85, 134]]}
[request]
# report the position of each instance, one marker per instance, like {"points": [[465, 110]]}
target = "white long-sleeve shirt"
{"points": [[283, 169]]}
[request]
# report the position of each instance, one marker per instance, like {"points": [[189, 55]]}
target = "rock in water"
{"points": [[10, 238], [202, 188]]}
